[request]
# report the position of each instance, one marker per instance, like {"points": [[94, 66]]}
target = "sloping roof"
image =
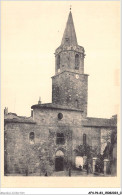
{"points": [[99, 122], [18, 119], [55, 106], [69, 36]]}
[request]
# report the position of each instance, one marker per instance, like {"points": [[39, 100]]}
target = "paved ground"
{"points": [[74, 173]]}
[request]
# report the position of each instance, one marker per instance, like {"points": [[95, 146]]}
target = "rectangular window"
{"points": [[60, 138]]}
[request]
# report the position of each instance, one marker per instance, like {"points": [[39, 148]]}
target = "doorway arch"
{"points": [[59, 161]]}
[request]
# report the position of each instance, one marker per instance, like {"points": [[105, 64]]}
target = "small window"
{"points": [[84, 139], [77, 62], [58, 62], [60, 138], [57, 91], [31, 137], [60, 116], [67, 39]]}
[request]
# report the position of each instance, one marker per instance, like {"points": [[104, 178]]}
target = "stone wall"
{"points": [[67, 60], [70, 90], [70, 123], [17, 147], [21, 156], [48, 117]]}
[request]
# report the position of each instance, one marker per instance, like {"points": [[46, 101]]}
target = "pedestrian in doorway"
{"points": [[46, 174], [69, 172], [90, 168], [26, 171], [87, 168]]}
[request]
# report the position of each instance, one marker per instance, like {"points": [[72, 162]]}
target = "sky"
{"points": [[30, 33]]}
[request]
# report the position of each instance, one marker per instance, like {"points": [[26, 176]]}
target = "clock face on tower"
{"points": [[77, 76]]}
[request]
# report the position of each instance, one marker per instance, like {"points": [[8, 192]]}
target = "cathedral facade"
{"points": [[59, 133]]}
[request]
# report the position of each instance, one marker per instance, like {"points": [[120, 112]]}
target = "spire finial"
{"points": [[39, 102], [70, 7]]}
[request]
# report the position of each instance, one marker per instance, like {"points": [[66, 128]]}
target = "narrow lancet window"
{"points": [[31, 137], [58, 62], [84, 139], [77, 62]]}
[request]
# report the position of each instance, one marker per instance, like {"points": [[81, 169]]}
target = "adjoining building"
{"points": [[59, 136]]}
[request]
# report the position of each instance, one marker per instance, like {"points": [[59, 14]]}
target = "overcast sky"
{"points": [[32, 30]]}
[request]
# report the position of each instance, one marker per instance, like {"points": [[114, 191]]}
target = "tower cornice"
{"points": [[78, 49], [70, 72]]}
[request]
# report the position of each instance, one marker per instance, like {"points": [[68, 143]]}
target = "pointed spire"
{"points": [[69, 37]]}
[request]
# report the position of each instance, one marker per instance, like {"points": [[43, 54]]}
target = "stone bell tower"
{"points": [[70, 84]]}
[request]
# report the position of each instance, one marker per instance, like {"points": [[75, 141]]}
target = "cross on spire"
{"points": [[70, 7], [39, 102]]}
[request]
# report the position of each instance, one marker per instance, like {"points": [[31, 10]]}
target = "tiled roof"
{"points": [[17, 119]]}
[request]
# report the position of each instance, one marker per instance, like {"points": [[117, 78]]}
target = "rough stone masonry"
{"points": [[47, 141]]}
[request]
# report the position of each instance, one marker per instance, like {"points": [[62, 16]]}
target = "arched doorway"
{"points": [[59, 161]]}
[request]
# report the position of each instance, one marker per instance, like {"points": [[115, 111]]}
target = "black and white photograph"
{"points": [[60, 88]]}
